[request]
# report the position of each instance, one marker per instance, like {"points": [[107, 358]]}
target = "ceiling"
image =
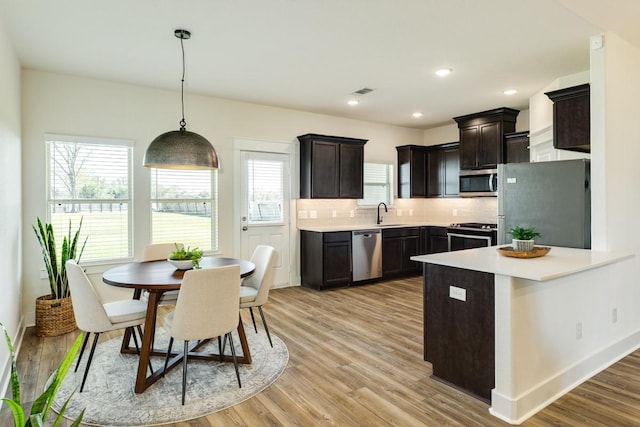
{"points": [[311, 55]]}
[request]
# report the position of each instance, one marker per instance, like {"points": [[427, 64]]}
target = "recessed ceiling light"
{"points": [[418, 114], [510, 91], [353, 102], [444, 72]]}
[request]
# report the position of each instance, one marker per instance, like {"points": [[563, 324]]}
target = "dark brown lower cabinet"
{"points": [[325, 259], [459, 335], [398, 246]]}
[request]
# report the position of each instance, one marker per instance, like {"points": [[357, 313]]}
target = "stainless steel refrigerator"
{"points": [[554, 197]]}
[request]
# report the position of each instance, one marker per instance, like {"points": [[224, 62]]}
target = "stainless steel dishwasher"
{"points": [[366, 254]]}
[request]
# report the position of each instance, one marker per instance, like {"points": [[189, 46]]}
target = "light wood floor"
{"points": [[356, 360]]}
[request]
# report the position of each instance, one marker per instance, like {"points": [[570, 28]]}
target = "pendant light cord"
{"points": [[183, 122]]}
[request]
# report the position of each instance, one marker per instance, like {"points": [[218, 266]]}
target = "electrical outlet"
{"points": [[457, 293], [398, 212], [313, 214], [303, 214], [351, 213], [614, 315], [455, 212], [579, 330], [410, 212], [334, 213]]}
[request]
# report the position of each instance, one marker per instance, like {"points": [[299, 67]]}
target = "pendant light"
{"points": [[181, 149]]}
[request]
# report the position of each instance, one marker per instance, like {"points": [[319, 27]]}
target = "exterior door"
{"points": [[264, 207]]}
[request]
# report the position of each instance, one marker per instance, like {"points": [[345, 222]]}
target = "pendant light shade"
{"points": [[181, 149]]}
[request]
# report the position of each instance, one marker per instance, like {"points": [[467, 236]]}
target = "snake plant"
{"points": [[55, 265], [42, 405]]}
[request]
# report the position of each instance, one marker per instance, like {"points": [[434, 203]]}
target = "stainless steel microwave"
{"points": [[479, 183]]}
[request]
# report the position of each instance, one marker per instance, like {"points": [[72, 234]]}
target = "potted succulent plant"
{"points": [[54, 312], [523, 238]]}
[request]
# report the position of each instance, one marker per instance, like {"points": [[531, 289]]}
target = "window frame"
{"points": [[49, 140], [213, 200], [389, 184]]}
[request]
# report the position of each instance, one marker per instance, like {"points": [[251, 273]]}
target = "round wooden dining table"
{"points": [[158, 277]]}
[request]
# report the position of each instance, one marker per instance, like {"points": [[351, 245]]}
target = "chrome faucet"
{"points": [[379, 219]]}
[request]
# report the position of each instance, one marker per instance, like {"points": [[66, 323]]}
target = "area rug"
{"points": [[109, 398]]}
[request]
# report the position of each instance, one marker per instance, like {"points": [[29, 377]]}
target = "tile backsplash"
{"points": [[327, 212]]}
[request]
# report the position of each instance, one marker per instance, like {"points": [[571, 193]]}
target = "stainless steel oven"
{"points": [[471, 235], [478, 183]]}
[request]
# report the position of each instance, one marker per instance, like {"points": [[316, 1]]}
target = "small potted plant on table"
{"points": [[523, 238], [185, 259]]}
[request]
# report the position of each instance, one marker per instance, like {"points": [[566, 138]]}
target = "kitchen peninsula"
{"points": [[519, 333]]}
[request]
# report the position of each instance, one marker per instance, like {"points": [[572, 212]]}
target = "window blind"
{"points": [[265, 191], [184, 208], [378, 184], [90, 180]]}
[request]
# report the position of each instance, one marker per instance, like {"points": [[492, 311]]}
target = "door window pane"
{"points": [[265, 191]]}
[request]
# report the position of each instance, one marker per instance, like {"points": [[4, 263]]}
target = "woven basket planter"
{"points": [[54, 316]]}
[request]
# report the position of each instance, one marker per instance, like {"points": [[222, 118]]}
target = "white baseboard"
{"points": [[517, 410]]}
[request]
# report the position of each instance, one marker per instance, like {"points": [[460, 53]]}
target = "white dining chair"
{"points": [[207, 307], [159, 252], [92, 316], [254, 291]]}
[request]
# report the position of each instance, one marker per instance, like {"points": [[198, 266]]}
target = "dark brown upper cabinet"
{"points": [[331, 167], [516, 147], [428, 171], [571, 118], [482, 135]]}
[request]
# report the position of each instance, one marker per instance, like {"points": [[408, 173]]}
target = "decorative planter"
{"points": [[522, 245], [54, 316]]}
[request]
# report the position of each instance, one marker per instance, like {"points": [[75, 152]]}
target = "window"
{"points": [[378, 184], [265, 190], [90, 179], [184, 207]]}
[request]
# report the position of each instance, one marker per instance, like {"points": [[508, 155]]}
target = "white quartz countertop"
{"points": [[558, 262], [352, 227]]}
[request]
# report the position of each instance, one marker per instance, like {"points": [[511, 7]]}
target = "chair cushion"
{"points": [[125, 311], [247, 294]]}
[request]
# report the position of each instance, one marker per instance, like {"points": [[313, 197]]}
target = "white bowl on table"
{"points": [[181, 264]]}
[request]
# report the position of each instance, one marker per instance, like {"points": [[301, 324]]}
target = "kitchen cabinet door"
{"points": [[412, 170], [489, 145], [571, 118], [398, 246], [331, 167], [516, 147], [351, 168], [325, 179], [436, 240], [325, 259], [430, 171], [481, 137]]}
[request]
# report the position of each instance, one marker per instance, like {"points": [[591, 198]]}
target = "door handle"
{"points": [[245, 228]]}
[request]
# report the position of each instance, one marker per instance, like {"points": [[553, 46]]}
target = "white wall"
{"points": [[615, 90], [10, 202], [64, 104]]}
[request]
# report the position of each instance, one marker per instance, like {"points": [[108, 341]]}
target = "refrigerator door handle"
{"points": [[491, 187], [502, 233]]}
